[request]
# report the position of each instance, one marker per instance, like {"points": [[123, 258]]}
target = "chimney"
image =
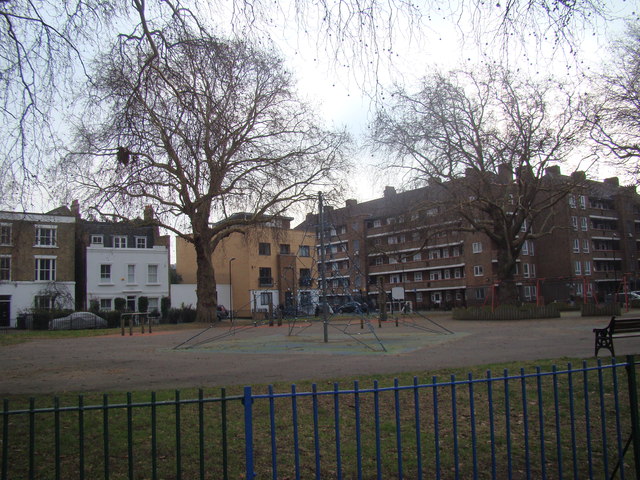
{"points": [[553, 171], [389, 191], [310, 218], [148, 213], [505, 173], [75, 208], [579, 176], [613, 181], [352, 202]]}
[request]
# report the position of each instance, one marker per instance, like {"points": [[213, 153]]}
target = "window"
{"points": [[445, 253], [478, 270], [417, 277], [576, 245], [578, 267], [304, 251], [524, 226], [5, 268], [97, 240], [266, 298], [574, 222], [264, 248], [392, 240], [417, 257], [105, 273], [583, 201], [572, 201], [377, 223], [585, 245], [419, 297], [457, 273], [131, 274], [434, 254], [43, 302], [46, 236], [154, 305], [477, 247], [435, 275], [265, 277], [456, 252], [131, 303], [394, 279], [141, 242], [393, 260], [436, 297], [587, 267], [525, 248], [5, 234], [525, 270], [379, 261], [45, 269], [285, 249], [447, 274], [105, 304], [119, 241], [356, 245], [480, 294], [583, 223], [152, 273]]}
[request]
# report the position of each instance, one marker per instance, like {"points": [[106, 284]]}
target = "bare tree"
{"points": [[467, 135], [616, 120], [45, 46], [200, 128]]}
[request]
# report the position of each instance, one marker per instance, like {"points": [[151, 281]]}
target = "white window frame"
{"points": [[478, 270], [476, 247], [379, 261], [377, 223], [576, 245], [39, 271], [447, 274], [417, 276], [119, 241], [583, 201], [46, 241], [154, 304], [417, 257], [97, 240], [578, 267], [395, 278], [435, 275], [572, 201], [457, 273], [574, 223], [106, 304], [585, 245], [587, 267], [525, 248], [131, 273], [583, 224], [141, 242], [6, 268], [6, 237], [105, 273], [153, 278]]}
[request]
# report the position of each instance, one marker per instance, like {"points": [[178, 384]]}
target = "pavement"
{"points": [[247, 355]]}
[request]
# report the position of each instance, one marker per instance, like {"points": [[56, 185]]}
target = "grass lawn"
{"points": [[531, 420]]}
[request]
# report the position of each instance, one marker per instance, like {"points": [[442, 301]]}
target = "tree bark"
{"points": [[206, 307], [507, 288]]}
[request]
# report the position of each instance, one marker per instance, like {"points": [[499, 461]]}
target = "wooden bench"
{"points": [[617, 328]]}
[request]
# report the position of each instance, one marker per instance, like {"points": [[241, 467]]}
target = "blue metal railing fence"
{"points": [[574, 422]]}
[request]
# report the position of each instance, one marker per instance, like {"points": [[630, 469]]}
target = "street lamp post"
{"points": [[230, 291]]}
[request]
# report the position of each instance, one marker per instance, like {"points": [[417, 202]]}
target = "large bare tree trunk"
{"points": [[507, 288], [206, 282]]}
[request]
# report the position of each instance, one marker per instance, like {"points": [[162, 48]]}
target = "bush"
{"points": [[593, 310], [112, 317], [165, 305], [120, 304], [181, 315], [143, 304], [506, 312], [94, 306]]}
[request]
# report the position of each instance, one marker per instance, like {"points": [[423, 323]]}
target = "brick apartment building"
{"points": [[399, 241]]}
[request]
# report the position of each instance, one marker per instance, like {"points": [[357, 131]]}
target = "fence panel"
{"points": [[568, 422]]}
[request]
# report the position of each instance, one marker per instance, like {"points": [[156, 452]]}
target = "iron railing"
{"points": [[558, 423]]}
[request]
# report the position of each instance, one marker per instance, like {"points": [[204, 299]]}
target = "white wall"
{"points": [[22, 294], [119, 285], [185, 294]]}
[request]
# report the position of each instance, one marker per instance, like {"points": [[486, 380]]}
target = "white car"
{"points": [[78, 321]]}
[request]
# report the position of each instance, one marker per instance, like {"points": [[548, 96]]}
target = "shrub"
{"points": [[165, 305], [593, 310], [94, 306], [182, 315], [143, 304], [506, 312], [120, 304]]}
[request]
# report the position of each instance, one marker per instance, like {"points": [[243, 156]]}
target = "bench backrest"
{"points": [[623, 325]]}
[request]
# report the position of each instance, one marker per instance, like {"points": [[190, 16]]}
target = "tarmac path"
{"points": [[217, 358]]}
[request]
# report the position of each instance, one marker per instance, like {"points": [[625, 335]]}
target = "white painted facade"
{"points": [[128, 273], [21, 296], [184, 295]]}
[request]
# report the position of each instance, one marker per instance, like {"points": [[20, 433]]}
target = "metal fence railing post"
{"points": [[633, 404], [248, 433]]}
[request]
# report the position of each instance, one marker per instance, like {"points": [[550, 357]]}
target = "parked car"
{"points": [[350, 307], [78, 321], [222, 312]]}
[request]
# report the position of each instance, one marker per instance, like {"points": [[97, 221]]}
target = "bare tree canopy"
{"points": [[46, 45], [616, 121], [200, 128], [468, 134]]}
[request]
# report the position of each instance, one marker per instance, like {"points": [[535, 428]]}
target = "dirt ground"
{"points": [[224, 356]]}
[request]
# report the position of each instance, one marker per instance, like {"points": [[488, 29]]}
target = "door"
{"points": [[5, 310]]}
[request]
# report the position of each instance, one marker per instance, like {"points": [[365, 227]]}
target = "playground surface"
{"points": [[257, 353]]}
